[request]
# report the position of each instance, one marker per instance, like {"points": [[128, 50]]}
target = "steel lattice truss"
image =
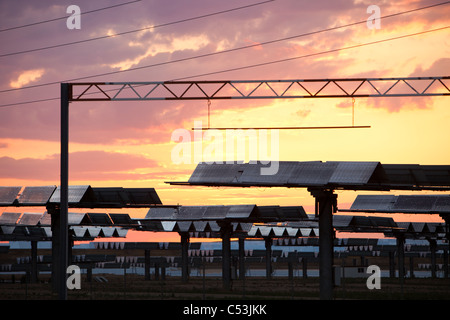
{"points": [[260, 89]]}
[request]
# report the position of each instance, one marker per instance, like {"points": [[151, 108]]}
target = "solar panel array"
{"points": [[82, 196], [332, 174], [231, 212], [437, 204], [83, 226]]}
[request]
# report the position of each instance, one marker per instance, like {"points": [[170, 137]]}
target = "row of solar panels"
{"points": [[79, 196], [402, 204], [304, 228], [232, 212], [334, 174], [78, 233], [74, 218]]}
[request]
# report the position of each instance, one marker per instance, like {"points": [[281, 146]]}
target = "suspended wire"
{"points": [[269, 62], [133, 31], [215, 53], [311, 54], [65, 17], [205, 16]]}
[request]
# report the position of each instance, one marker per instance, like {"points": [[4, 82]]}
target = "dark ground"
{"points": [[133, 287]]}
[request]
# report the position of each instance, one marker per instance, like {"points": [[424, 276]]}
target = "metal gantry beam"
{"points": [[260, 89]]}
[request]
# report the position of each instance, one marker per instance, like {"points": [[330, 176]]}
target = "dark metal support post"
{"points": [[226, 256], [64, 193], [391, 264], [305, 268], [326, 201], [34, 264], [184, 256], [241, 258], [401, 258], [147, 264], [433, 257], [268, 245]]}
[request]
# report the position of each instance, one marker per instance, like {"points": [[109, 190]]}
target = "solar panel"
{"points": [[341, 221], [7, 230], [8, 195], [240, 211], [121, 218], [213, 226], [373, 202], [126, 196], [200, 225], [168, 225], [292, 212], [354, 173], [142, 196], [190, 212], [77, 218], [45, 220], [217, 173], [76, 194], [162, 213], [402, 203], [313, 173], [442, 204], [99, 219], [437, 175], [9, 218], [269, 212], [36, 195], [415, 203], [216, 212], [184, 226], [252, 173], [350, 175], [30, 219]]}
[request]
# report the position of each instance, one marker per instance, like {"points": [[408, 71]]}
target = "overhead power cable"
{"points": [[266, 63], [195, 18], [65, 17], [217, 52], [133, 31], [311, 54]]}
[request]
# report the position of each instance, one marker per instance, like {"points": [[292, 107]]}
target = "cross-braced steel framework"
{"points": [[226, 89], [260, 89]]}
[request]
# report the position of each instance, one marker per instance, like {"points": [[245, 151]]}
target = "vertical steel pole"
{"points": [[325, 200], [268, 246], [241, 258], [401, 259], [226, 256], [34, 264], [64, 193], [184, 236]]}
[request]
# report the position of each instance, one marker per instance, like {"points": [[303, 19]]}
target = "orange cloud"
{"points": [[27, 77]]}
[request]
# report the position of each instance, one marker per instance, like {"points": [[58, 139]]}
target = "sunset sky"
{"points": [[129, 144]]}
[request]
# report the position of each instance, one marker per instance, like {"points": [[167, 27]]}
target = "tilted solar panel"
{"points": [[353, 173], [8, 195], [36, 195], [374, 202], [30, 219], [76, 194], [9, 218]]}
